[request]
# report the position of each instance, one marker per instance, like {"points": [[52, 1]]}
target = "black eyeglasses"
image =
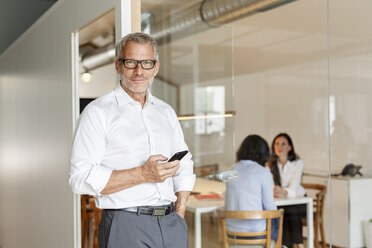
{"points": [[146, 64]]}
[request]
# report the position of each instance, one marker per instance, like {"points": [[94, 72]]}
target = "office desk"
{"points": [[206, 186]]}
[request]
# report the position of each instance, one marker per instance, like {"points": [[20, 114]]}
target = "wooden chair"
{"points": [[318, 212], [89, 214], [97, 218], [249, 215], [85, 215]]}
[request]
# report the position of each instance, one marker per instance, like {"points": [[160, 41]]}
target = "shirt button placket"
{"points": [[152, 146], [149, 133]]}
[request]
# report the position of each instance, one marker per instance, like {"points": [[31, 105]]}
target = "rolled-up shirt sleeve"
{"points": [[184, 179], [87, 175]]}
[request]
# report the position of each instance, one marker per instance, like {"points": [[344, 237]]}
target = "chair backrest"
{"points": [[230, 236], [319, 198], [89, 214]]}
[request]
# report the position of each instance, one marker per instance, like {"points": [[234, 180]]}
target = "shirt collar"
{"points": [[247, 162], [123, 98], [149, 97]]}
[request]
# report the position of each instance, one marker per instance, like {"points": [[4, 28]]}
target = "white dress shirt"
{"points": [[290, 177], [114, 133]]}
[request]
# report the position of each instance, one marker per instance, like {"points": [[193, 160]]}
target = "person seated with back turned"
{"points": [[254, 188], [286, 167]]}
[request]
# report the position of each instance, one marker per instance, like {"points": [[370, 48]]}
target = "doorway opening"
{"points": [[93, 75]]}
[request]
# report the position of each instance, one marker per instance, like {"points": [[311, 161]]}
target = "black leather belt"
{"points": [[150, 210]]}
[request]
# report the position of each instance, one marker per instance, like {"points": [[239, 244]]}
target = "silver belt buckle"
{"points": [[159, 211]]}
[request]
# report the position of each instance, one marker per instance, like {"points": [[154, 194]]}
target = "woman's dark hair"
{"points": [[273, 163], [254, 148]]}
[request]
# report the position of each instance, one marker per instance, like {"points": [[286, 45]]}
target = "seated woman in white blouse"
{"points": [[254, 188], [286, 167]]}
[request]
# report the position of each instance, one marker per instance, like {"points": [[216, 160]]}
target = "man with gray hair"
{"points": [[121, 147]]}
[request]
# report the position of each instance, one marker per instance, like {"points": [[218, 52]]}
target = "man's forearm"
{"points": [[123, 179], [151, 171], [182, 197]]}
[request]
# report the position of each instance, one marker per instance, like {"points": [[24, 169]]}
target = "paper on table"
{"points": [[209, 197]]}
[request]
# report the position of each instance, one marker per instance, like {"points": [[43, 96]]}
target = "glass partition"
{"points": [[351, 122], [281, 85], [196, 79], [268, 72]]}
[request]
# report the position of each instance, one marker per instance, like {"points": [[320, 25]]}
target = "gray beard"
{"points": [[126, 85]]}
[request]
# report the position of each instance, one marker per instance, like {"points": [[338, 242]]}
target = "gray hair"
{"points": [[138, 38]]}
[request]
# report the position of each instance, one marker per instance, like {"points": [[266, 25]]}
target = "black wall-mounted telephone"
{"points": [[351, 170]]}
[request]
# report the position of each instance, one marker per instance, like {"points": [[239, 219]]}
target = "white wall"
{"points": [[281, 80], [280, 100], [36, 206]]}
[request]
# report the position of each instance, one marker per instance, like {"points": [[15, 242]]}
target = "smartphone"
{"points": [[178, 156]]}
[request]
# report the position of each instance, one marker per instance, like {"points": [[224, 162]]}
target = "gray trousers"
{"points": [[120, 229]]}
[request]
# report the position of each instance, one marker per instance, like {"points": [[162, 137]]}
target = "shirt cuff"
{"points": [[291, 192], [98, 178], [184, 183]]}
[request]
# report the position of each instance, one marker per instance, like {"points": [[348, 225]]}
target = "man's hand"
{"points": [[181, 202], [279, 192], [155, 172]]}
